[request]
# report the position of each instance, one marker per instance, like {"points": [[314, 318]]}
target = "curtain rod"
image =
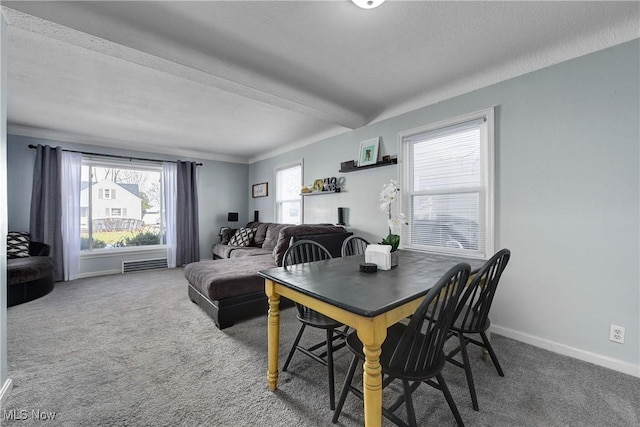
{"points": [[115, 156]]}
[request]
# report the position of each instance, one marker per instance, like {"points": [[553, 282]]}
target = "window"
{"points": [[447, 186], [118, 212], [288, 199], [106, 193], [119, 204]]}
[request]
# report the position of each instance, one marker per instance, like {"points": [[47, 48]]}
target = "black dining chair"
{"points": [[306, 251], [353, 245], [472, 316], [414, 353]]}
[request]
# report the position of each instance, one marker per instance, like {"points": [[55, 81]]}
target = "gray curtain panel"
{"points": [[46, 203], [188, 239]]}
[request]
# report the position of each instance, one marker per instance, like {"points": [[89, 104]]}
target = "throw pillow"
{"points": [[17, 244], [242, 237], [227, 235], [271, 237]]}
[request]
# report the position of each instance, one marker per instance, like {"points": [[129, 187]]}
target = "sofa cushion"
{"points": [[273, 233], [226, 278], [222, 251], [21, 270], [242, 237], [17, 244], [227, 234], [261, 232], [248, 251], [300, 230]]}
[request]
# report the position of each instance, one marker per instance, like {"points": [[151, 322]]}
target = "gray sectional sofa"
{"points": [[31, 277], [228, 287]]}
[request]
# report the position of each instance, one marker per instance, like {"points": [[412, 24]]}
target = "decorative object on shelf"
{"points": [[318, 185], [386, 159], [351, 167], [260, 190], [330, 184], [349, 164], [321, 186], [368, 152], [388, 195]]}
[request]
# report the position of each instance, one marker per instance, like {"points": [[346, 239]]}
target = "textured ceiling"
{"points": [[239, 80]]}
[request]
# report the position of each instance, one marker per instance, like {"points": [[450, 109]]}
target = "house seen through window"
{"points": [[120, 205]]}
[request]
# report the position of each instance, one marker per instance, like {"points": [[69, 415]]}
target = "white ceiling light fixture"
{"points": [[367, 4]]}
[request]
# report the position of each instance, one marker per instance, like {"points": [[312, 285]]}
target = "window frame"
{"points": [[299, 199], [487, 181], [108, 162]]}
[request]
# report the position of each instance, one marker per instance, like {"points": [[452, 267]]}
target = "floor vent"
{"points": [[145, 264]]}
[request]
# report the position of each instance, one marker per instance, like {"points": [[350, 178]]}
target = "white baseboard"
{"points": [[98, 273], [565, 350], [5, 390]]}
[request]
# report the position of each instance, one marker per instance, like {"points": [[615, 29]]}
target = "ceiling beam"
{"points": [[227, 78]]}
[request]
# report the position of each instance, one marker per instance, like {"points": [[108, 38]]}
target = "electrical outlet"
{"points": [[616, 333]]}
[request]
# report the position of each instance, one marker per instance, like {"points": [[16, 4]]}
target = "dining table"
{"points": [[368, 302]]}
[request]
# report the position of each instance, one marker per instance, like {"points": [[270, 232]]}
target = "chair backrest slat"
{"points": [[353, 245], [474, 306], [304, 251], [423, 339]]}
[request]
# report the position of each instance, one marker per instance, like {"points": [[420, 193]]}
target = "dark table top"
{"points": [[339, 281]]}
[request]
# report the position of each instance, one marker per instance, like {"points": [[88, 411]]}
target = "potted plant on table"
{"points": [[388, 195]]}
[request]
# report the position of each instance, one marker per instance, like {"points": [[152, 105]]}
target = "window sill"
{"points": [[117, 252]]}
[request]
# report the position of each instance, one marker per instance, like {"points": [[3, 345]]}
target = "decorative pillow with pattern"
{"points": [[227, 234], [242, 237], [17, 244]]}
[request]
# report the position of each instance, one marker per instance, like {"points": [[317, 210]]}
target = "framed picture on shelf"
{"points": [[260, 190], [368, 152]]}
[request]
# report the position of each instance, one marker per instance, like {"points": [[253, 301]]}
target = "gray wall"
{"points": [[567, 199], [222, 187]]}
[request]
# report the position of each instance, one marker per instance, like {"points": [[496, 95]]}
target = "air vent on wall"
{"points": [[145, 264]]}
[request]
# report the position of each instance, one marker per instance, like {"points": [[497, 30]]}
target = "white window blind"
{"points": [[447, 187], [288, 199]]}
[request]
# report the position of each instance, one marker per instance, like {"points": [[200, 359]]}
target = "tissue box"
{"points": [[379, 255]]}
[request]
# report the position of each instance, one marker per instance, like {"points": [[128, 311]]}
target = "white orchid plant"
{"points": [[388, 195]]}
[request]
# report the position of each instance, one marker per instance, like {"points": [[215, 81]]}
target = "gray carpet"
{"points": [[132, 350]]}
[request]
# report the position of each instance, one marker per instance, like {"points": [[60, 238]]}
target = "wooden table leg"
{"points": [[273, 332], [372, 334]]}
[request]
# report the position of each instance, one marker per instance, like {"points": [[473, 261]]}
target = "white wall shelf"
{"points": [[320, 193]]}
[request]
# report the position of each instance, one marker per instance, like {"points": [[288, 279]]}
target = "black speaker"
{"points": [[255, 216], [341, 216]]}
